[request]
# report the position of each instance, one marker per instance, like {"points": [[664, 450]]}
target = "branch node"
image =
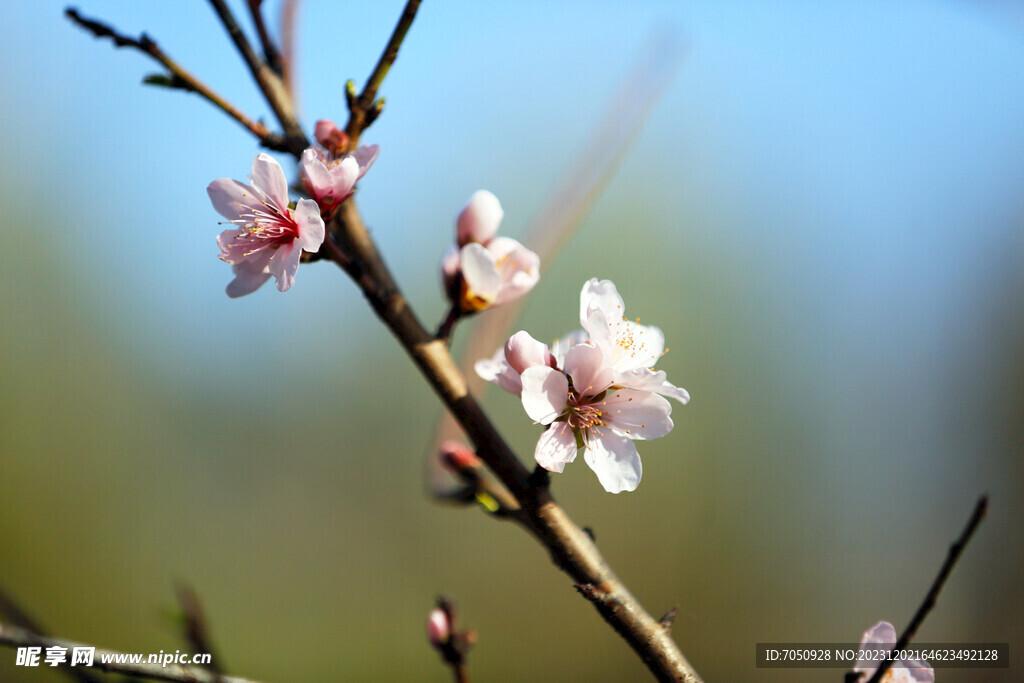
{"points": [[668, 618]]}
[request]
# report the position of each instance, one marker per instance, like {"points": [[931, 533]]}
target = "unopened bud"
{"points": [[439, 628], [332, 138], [479, 220], [523, 351], [459, 456]]}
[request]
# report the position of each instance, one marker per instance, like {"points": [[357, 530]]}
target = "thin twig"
{"points": [[270, 52], [955, 551], [289, 17], [196, 632], [14, 613], [571, 549], [363, 110], [14, 636], [179, 77], [269, 82]]}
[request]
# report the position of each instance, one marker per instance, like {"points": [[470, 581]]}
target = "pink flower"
{"points": [[491, 270], [882, 636], [271, 236], [330, 137], [439, 627], [585, 408], [599, 393], [331, 179]]}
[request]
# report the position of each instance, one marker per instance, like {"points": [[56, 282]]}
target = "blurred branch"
{"points": [[18, 617], [363, 110], [269, 83], [955, 551], [289, 16], [196, 632], [270, 52], [571, 549], [178, 77], [14, 636]]}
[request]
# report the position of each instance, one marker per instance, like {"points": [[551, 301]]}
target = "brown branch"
{"points": [[179, 77], [269, 83], [571, 549], [363, 109], [289, 17], [270, 52], [14, 636], [955, 551]]}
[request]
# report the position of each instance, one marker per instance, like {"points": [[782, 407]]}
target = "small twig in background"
{"points": [[271, 54], [196, 632], [364, 109], [955, 551], [178, 77], [269, 82], [289, 17]]}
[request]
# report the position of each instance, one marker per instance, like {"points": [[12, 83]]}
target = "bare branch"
{"points": [[364, 110], [270, 52], [955, 551], [269, 83], [289, 17], [178, 77], [14, 636], [196, 632]]}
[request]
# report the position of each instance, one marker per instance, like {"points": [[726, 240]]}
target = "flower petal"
{"points": [[637, 414], [601, 295], [615, 461], [496, 369], [231, 198], [586, 365], [545, 393], [479, 272], [284, 264], [365, 156], [249, 276], [645, 379], [479, 220], [268, 177], [311, 226], [556, 447], [560, 347], [518, 266], [523, 351]]}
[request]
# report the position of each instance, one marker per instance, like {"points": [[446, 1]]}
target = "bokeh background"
{"points": [[823, 213]]}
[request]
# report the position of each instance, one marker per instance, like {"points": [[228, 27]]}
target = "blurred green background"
{"points": [[823, 213]]}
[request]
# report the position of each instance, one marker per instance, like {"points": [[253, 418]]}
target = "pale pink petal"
{"points": [[882, 636], [561, 346], [637, 414], [601, 295], [556, 447], [523, 351], [519, 268], [480, 272], [545, 393], [365, 156], [231, 198], [590, 372], [314, 169], [268, 177], [249, 276], [311, 226], [344, 174], [645, 379], [496, 369], [615, 461], [479, 220], [284, 264], [635, 345]]}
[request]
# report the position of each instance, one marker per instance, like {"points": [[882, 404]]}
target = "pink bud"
{"points": [[438, 627], [330, 136], [479, 221], [523, 351], [459, 455], [450, 268]]}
